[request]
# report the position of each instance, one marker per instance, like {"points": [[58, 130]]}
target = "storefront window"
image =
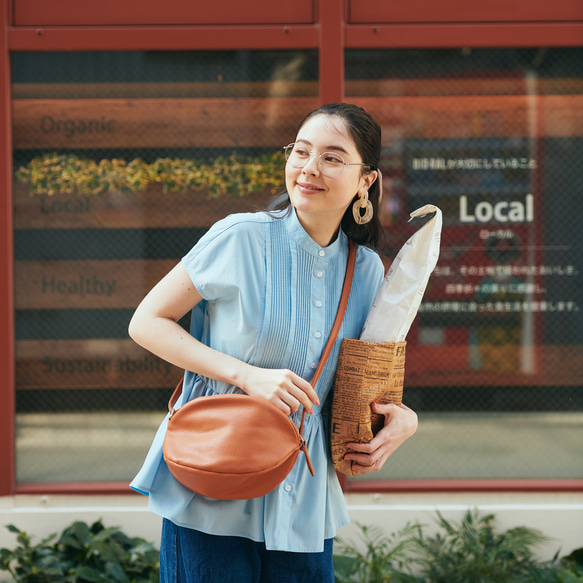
{"points": [[122, 161], [495, 358]]}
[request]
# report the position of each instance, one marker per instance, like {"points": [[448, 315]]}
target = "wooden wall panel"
{"points": [[103, 364], [157, 123], [478, 116], [174, 90], [555, 365], [90, 364], [85, 284], [391, 87], [149, 209], [232, 123]]}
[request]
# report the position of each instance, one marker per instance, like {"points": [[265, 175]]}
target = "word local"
{"points": [[82, 286], [51, 205], [503, 211]]}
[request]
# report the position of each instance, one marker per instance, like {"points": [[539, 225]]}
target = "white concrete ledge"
{"points": [[558, 516]]}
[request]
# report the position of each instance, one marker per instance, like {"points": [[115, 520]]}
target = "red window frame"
{"points": [[330, 32]]}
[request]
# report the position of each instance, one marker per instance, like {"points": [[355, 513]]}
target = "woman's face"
{"points": [[314, 195]]}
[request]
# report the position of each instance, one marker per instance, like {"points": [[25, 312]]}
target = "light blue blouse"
{"points": [[271, 294]]}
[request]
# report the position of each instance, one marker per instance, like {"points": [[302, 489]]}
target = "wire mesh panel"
{"points": [[122, 162], [495, 359]]}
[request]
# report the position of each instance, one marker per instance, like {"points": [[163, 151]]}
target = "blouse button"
{"points": [[318, 334], [319, 304], [321, 253], [314, 364], [288, 488], [319, 274]]}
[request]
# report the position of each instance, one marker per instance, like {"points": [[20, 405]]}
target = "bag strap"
{"points": [[331, 339]]}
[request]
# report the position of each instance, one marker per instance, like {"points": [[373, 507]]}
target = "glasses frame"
{"points": [[287, 150]]}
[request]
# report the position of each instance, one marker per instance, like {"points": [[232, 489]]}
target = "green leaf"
{"points": [[577, 557], [81, 532], [116, 573], [345, 567], [88, 574], [68, 540], [106, 533], [108, 551]]}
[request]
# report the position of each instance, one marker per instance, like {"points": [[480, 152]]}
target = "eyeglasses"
{"points": [[330, 163]]}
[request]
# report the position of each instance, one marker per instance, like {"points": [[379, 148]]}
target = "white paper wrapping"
{"points": [[401, 291]]}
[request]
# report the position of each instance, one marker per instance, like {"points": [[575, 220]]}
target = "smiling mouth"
{"points": [[308, 186]]}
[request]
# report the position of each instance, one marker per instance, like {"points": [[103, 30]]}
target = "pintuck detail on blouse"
{"points": [[270, 297]]}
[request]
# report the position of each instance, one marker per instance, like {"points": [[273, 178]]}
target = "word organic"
{"points": [[70, 127]]}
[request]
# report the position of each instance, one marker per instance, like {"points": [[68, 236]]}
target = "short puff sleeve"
{"points": [[225, 259]]}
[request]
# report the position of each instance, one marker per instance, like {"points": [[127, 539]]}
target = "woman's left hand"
{"points": [[400, 424]]}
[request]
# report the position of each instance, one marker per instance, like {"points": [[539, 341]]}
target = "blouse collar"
{"points": [[301, 237]]}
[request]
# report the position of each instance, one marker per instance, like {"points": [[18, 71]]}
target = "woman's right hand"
{"points": [[281, 387]]}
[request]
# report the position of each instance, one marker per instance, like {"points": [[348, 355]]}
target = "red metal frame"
{"points": [[171, 12], [331, 47], [364, 11], [169, 38], [330, 33], [7, 407], [355, 36], [491, 485], [527, 34], [86, 488], [348, 486]]}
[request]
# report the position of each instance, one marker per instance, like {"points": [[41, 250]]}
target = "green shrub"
{"points": [[82, 554], [54, 173], [385, 558], [468, 552], [570, 568], [473, 551]]}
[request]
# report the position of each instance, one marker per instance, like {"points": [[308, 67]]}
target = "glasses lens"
{"points": [[297, 155], [331, 164], [288, 150]]}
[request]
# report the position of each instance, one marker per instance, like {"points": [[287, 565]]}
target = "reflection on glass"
{"points": [[492, 137], [122, 161]]}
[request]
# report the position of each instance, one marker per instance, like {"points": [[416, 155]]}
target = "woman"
{"points": [[264, 289]]}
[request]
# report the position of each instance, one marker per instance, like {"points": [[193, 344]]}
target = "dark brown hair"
{"points": [[366, 135]]}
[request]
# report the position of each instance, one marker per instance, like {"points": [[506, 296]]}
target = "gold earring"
{"points": [[362, 203]]}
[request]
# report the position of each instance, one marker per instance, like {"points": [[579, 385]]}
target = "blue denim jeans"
{"points": [[190, 556]]}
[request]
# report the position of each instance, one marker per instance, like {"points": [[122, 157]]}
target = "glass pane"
{"points": [[494, 359], [122, 161]]}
